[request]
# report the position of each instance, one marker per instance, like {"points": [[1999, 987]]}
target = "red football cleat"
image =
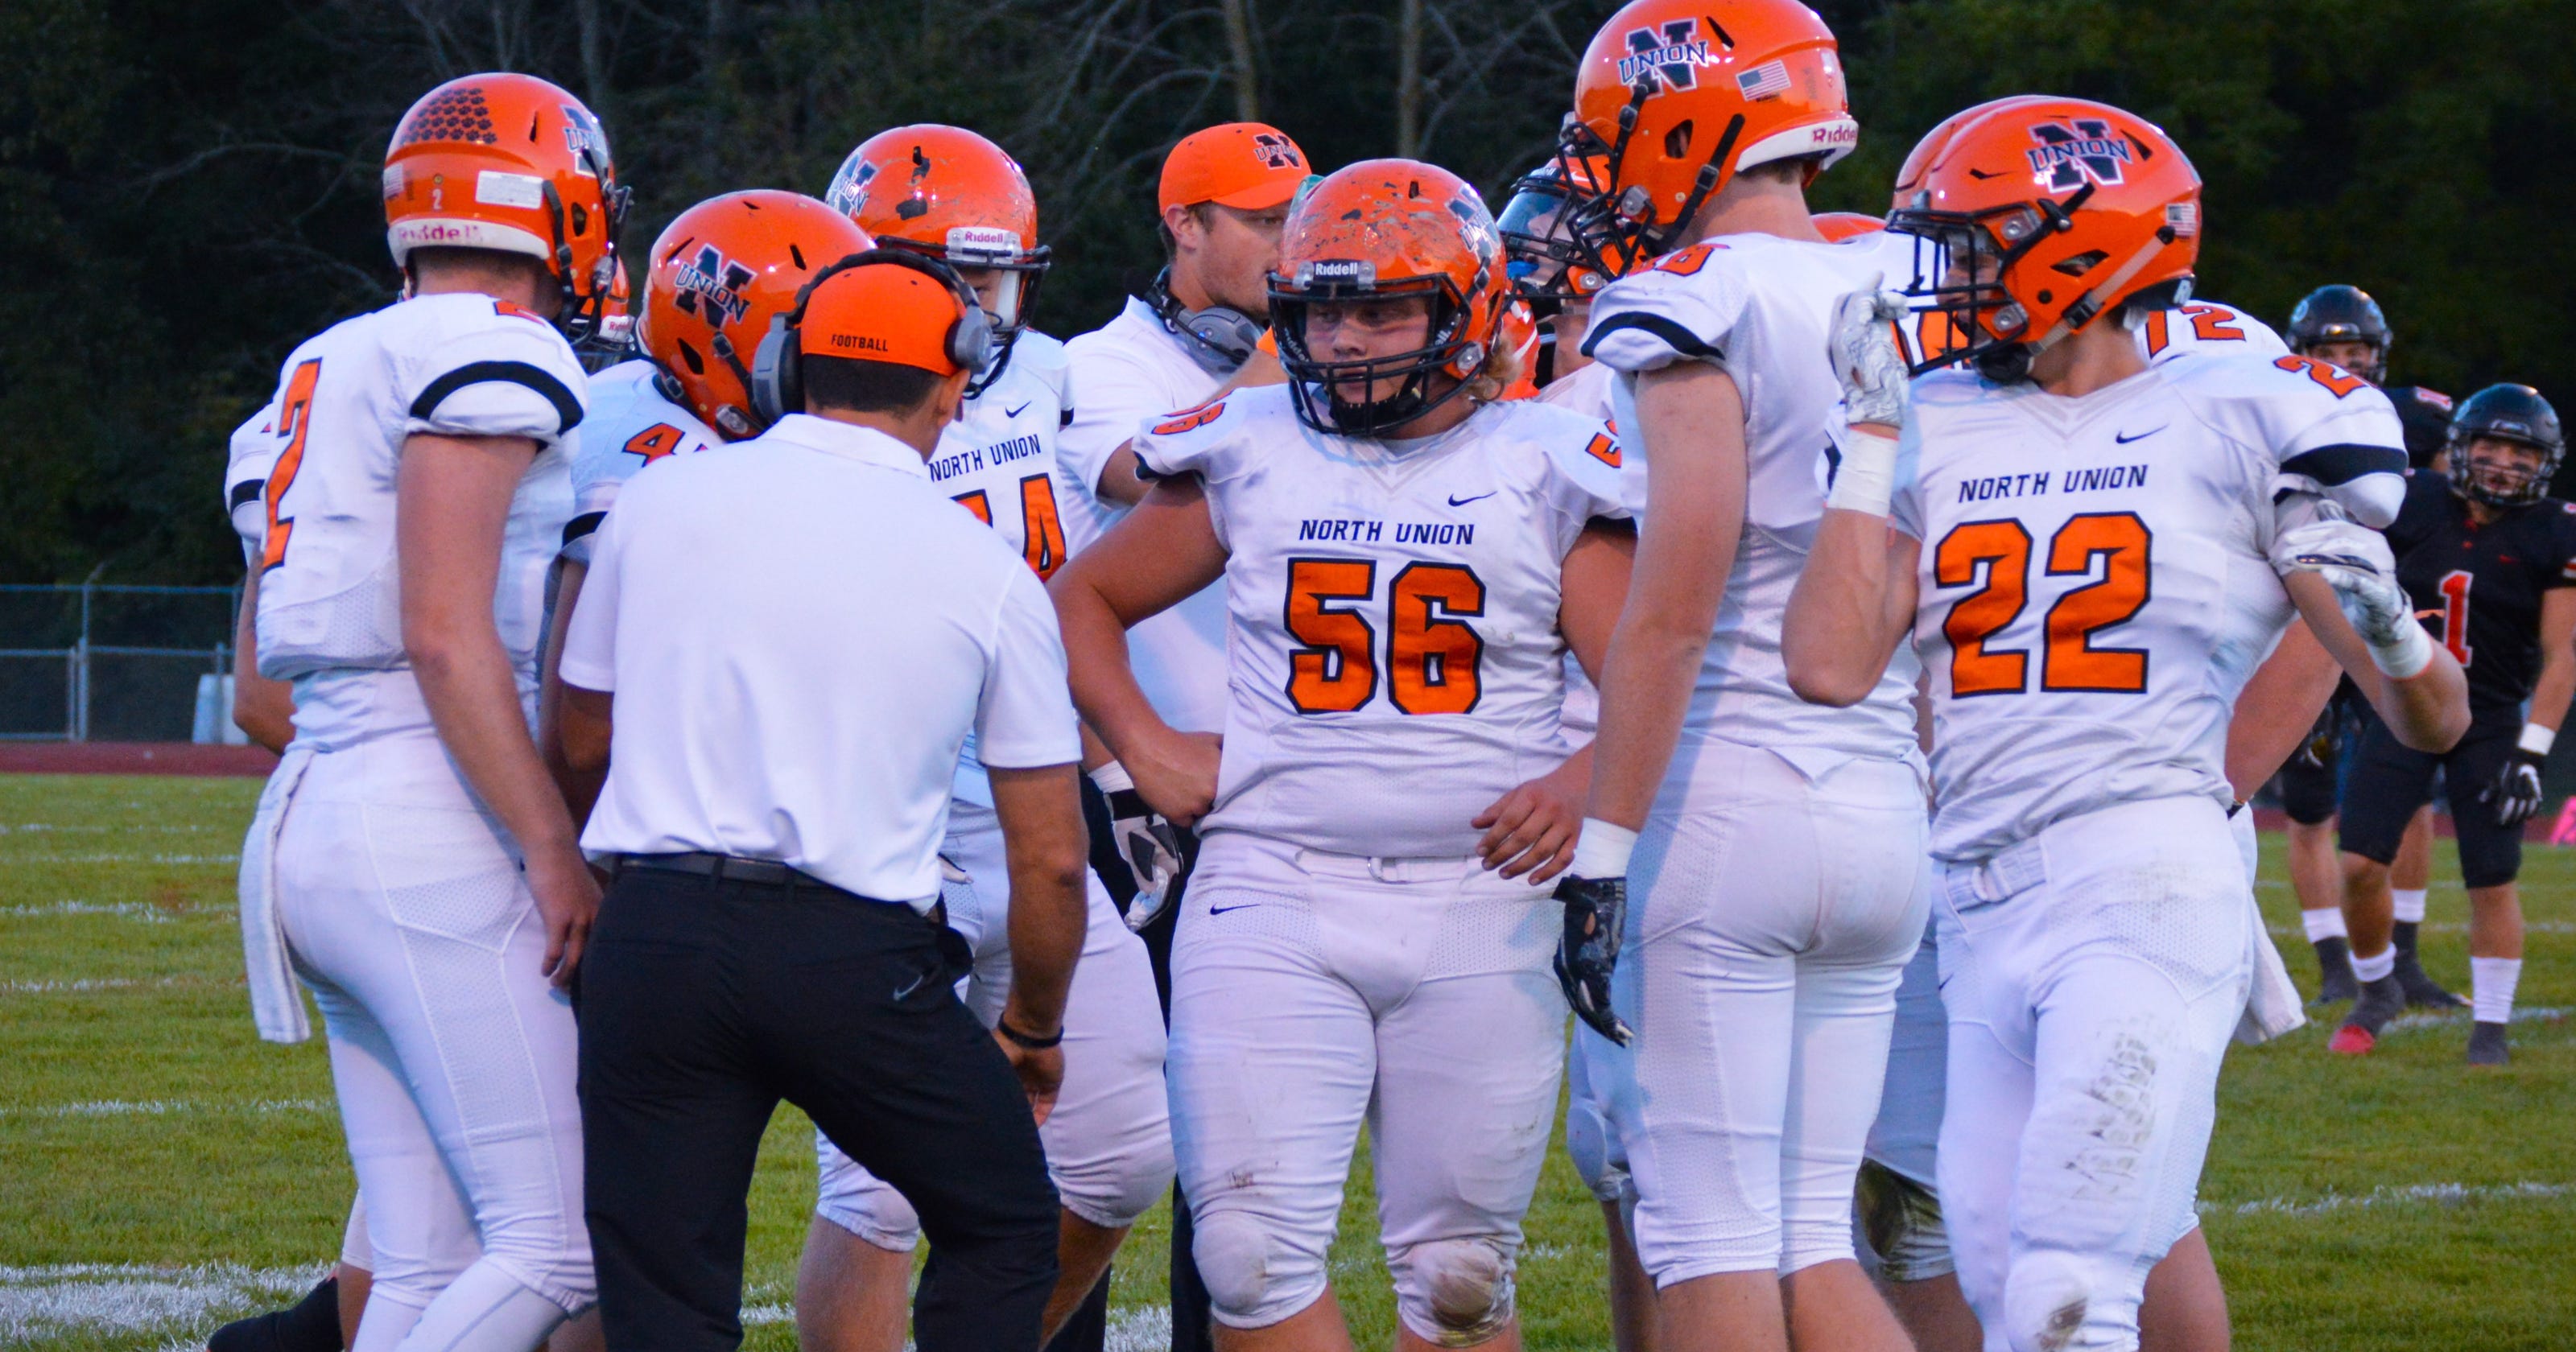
{"points": [[2352, 1040]]}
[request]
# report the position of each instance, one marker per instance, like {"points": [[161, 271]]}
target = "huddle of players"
{"points": [[2489, 560], [1417, 572]]}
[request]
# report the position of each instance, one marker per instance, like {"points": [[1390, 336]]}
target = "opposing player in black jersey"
{"points": [[2343, 325], [2494, 558]]}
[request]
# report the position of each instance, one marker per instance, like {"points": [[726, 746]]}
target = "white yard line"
{"points": [[94, 1299], [89, 984], [123, 910], [161, 1108], [2453, 1018], [2445, 1194], [121, 859]]}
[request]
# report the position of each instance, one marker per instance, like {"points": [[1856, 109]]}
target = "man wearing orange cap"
{"points": [[780, 722]]}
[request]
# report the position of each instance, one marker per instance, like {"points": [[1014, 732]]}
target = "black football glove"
{"points": [[1595, 909], [2515, 793], [1152, 848]]}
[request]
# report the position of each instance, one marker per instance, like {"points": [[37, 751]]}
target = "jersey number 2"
{"points": [[294, 422], [2071, 662], [1433, 657], [1041, 525]]}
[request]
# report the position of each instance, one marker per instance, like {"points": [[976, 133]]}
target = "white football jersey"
{"points": [[2166, 334], [252, 454], [2094, 587], [630, 425], [1758, 306], [1586, 391], [999, 461], [1394, 659], [330, 605]]}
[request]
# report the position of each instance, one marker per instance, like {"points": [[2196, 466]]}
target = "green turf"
{"points": [[164, 1170]]}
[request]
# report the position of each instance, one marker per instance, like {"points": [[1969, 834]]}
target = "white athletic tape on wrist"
{"points": [[1113, 778], [2536, 739], [2408, 657], [1602, 850], [1865, 481]]}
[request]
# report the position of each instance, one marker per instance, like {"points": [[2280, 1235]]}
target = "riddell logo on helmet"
{"points": [[1669, 52], [2066, 156], [1843, 132]]}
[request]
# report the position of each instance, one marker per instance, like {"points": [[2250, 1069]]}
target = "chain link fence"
{"points": [[115, 663]]}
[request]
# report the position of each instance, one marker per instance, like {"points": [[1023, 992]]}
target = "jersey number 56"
{"points": [[1432, 654]]}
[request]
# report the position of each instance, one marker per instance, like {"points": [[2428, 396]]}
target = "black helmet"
{"points": [[2342, 314], [2509, 413]]}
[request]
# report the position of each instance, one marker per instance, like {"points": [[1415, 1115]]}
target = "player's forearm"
{"points": [[263, 709], [578, 782], [1047, 850], [2428, 711], [2550, 694], [1835, 639], [2278, 708], [1113, 706], [473, 698]]}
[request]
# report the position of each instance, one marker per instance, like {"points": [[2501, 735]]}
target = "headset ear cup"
{"points": [[775, 390], [970, 339]]}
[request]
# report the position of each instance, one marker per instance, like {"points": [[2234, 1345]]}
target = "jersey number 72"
{"points": [[2070, 662]]}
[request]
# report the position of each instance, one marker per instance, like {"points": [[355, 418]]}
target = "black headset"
{"points": [[1218, 339], [777, 378]]}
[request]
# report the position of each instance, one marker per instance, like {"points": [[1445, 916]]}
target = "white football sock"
{"points": [[2323, 924], [2491, 983], [2376, 968], [2409, 903]]}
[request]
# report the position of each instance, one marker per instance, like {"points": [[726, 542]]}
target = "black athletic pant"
{"points": [[704, 1003], [1192, 1322]]}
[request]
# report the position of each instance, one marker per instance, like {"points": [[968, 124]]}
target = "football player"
{"points": [[411, 862], [950, 194], [1761, 1009], [2078, 603], [1405, 562], [2489, 551], [2344, 325]]}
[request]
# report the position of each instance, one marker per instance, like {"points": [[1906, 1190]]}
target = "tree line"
{"points": [[188, 187]]}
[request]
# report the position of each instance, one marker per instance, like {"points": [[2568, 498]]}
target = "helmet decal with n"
{"points": [[721, 270], [2513, 413], [1677, 98], [2342, 314], [513, 164], [2042, 216], [947, 193], [1383, 229]]}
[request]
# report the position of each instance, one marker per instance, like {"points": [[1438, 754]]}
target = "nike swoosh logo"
{"points": [[1023, 408], [1457, 501], [1238, 906], [910, 986], [2124, 438]]}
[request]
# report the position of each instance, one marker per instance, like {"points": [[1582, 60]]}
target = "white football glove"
{"points": [[2356, 562], [1866, 356], [1149, 844]]}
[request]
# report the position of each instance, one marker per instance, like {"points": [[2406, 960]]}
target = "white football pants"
{"points": [[2093, 975], [1769, 918], [453, 1057], [1314, 992], [1109, 1139]]}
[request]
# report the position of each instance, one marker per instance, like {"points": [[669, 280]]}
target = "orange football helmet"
{"points": [[720, 272], [1383, 228], [952, 195], [1546, 266], [1910, 177], [616, 341], [1837, 226], [1679, 97], [2042, 216], [510, 163]]}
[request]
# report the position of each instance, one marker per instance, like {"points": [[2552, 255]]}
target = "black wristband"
{"points": [[1023, 1040]]}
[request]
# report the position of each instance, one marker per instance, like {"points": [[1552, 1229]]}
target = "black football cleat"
{"points": [[2334, 971], [2422, 991], [2487, 1045], [2379, 1002], [310, 1325]]}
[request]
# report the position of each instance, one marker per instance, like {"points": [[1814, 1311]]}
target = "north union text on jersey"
{"points": [[1362, 531], [2068, 481], [948, 467]]}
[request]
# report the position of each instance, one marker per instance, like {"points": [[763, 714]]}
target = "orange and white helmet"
{"points": [[720, 272], [1680, 96], [2044, 215], [616, 341], [1546, 265], [952, 195], [1389, 228], [513, 164], [1909, 178], [1837, 226]]}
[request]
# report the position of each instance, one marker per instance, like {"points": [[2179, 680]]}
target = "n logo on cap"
{"points": [[1275, 151]]}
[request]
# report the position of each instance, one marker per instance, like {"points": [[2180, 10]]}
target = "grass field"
{"points": [[165, 1171]]}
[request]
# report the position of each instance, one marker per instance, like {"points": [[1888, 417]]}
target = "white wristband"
{"points": [[1602, 850], [1865, 481], [2536, 739], [1112, 778], [2406, 658]]}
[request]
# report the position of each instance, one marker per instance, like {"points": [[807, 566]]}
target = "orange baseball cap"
{"points": [[1248, 165], [882, 313]]}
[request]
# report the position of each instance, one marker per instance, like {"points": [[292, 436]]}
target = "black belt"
{"points": [[725, 868]]}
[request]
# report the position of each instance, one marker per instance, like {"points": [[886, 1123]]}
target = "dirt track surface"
{"points": [[133, 758]]}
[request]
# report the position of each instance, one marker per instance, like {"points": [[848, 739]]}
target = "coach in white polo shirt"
{"points": [[778, 652]]}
